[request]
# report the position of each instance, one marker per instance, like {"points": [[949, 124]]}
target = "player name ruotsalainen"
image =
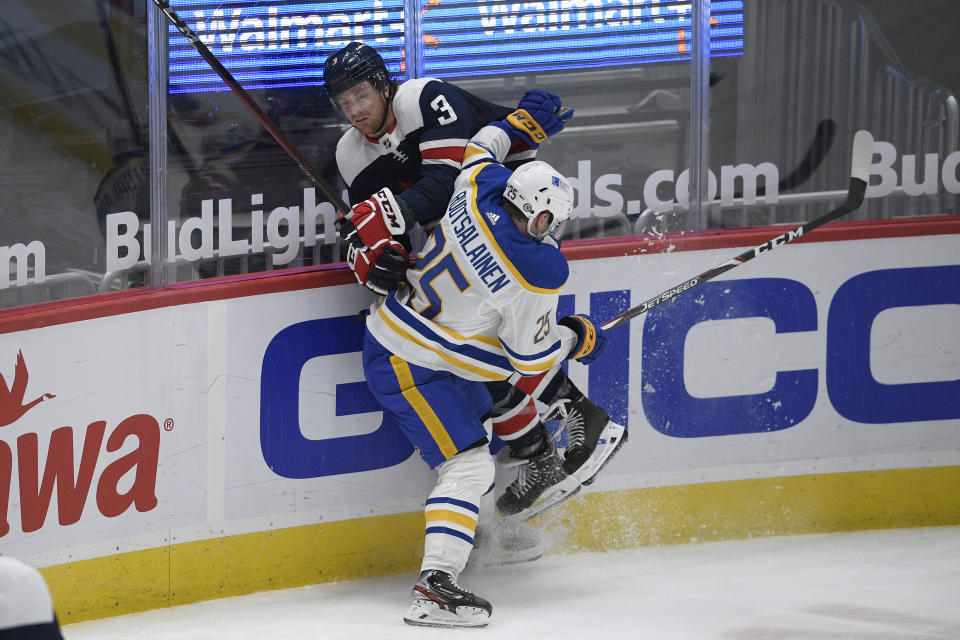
{"points": [[482, 259]]}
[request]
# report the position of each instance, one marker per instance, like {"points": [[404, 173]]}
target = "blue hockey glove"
{"points": [[590, 338], [539, 115]]}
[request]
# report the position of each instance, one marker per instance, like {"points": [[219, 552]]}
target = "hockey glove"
{"points": [[590, 338], [381, 269], [377, 218], [539, 115]]}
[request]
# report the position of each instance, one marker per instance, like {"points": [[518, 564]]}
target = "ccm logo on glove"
{"points": [[378, 218], [525, 122]]}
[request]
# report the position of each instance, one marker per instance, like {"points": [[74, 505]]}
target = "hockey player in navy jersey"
{"points": [[403, 151], [480, 307], [399, 161]]}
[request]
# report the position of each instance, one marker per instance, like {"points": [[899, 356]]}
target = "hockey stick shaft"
{"points": [[859, 173], [119, 76], [250, 104]]}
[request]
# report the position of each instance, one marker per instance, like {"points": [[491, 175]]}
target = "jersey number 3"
{"points": [[445, 113]]}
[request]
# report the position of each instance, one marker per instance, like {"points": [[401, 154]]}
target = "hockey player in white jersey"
{"points": [[480, 306]]}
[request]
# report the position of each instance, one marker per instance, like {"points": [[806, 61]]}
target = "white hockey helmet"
{"points": [[535, 187]]}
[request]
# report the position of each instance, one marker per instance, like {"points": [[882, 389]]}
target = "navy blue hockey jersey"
{"points": [[420, 157]]}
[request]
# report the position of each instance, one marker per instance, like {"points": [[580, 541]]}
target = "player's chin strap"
{"points": [[859, 174]]}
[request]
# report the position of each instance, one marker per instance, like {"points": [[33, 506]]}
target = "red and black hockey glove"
{"points": [[381, 269], [378, 218], [590, 338]]}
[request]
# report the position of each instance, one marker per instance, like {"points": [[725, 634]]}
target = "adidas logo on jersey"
{"points": [[492, 217]]}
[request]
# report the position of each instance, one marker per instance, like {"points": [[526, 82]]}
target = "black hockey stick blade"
{"points": [[859, 174], [250, 104], [823, 139]]}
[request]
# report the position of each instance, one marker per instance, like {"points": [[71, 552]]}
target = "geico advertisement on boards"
{"points": [[247, 414]]}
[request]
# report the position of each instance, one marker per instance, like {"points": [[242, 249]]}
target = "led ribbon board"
{"points": [[283, 44], [271, 45], [503, 36]]}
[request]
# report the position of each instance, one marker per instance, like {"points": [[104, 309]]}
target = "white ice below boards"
{"points": [[880, 585]]}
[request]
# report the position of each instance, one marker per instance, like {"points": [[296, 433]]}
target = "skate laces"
{"points": [[535, 476], [527, 478], [572, 422]]}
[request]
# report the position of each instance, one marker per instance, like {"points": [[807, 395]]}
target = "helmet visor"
{"points": [[557, 229]]}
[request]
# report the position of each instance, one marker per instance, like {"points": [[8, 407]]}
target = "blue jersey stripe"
{"points": [[549, 351], [450, 532], [413, 322], [463, 504]]}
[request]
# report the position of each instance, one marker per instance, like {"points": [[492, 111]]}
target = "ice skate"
{"points": [[438, 601], [592, 438], [541, 483]]}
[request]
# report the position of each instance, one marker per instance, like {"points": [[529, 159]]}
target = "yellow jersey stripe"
{"points": [[437, 431], [463, 520], [540, 367], [482, 224], [456, 335], [487, 340], [460, 364], [472, 151]]}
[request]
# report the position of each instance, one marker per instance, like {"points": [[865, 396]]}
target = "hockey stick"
{"points": [[124, 89], [859, 173], [119, 76], [823, 139], [250, 104]]}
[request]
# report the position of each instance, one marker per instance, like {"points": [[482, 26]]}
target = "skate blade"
{"points": [[506, 558], [611, 440], [506, 544], [423, 613], [519, 559], [563, 490]]}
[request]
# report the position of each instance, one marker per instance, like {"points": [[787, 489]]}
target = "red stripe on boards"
{"points": [[110, 304]]}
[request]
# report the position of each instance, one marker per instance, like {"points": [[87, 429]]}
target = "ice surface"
{"points": [[880, 585]]}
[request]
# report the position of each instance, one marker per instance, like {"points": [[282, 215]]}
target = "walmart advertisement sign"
{"points": [[284, 43]]}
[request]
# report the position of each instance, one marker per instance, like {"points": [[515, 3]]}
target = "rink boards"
{"points": [[214, 439]]}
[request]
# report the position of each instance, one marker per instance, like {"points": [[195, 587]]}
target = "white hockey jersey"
{"points": [[482, 297]]}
